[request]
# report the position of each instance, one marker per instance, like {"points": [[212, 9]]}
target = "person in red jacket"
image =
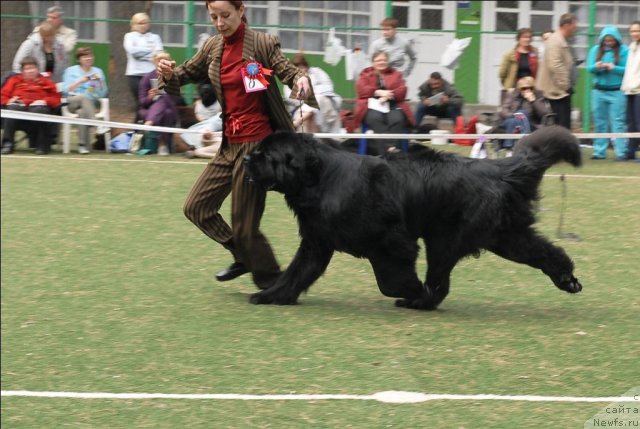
{"points": [[381, 104], [29, 91]]}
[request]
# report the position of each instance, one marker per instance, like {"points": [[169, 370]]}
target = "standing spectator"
{"points": [[395, 46], [438, 98], [29, 91], [47, 49], [631, 88], [520, 61], [157, 107], [249, 116], [544, 36], [326, 119], [84, 85], [67, 36], [385, 84], [606, 62], [558, 73], [140, 45]]}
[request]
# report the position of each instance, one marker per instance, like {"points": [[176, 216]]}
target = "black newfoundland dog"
{"points": [[377, 208]]}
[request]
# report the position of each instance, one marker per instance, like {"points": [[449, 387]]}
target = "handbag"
{"points": [[135, 143]]}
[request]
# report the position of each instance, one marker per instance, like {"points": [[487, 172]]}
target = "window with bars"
{"points": [[347, 16], [509, 15], [86, 29], [176, 34], [618, 13]]}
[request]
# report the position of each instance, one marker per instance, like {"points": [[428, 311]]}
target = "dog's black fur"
{"points": [[377, 208]]}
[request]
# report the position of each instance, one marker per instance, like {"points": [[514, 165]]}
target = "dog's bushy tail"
{"points": [[535, 153], [548, 146]]}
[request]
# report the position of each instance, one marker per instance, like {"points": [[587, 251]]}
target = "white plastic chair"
{"points": [[102, 114]]}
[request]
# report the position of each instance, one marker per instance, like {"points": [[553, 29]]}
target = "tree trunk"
{"points": [[13, 29], [120, 98]]}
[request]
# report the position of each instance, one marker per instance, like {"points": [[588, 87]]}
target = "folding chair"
{"points": [[102, 114]]}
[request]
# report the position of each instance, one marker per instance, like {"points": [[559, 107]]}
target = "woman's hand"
{"points": [[165, 68], [153, 92], [304, 89]]}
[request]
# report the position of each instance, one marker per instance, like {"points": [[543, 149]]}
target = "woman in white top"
{"points": [[631, 87], [45, 47], [140, 45]]}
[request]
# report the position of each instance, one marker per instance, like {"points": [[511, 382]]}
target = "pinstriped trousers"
{"points": [[225, 174]]}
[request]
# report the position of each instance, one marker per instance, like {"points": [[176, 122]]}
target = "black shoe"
{"points": [[231, 272]]}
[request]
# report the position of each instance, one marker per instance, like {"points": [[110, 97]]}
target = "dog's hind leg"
{"points": [[536, 251], [310, 262], [440, 263], [396, 277]]}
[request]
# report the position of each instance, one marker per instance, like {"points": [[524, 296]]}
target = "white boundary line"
{"points": [[397, 397]]}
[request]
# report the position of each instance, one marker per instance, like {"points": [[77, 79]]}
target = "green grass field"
{"points": [[106, 287]]}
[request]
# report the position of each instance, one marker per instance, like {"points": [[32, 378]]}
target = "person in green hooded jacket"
{"points": [[606, 62]]}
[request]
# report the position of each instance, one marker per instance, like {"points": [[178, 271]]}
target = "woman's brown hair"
{"points": [[235, 4]]}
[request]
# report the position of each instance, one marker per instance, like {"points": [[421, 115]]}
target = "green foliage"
{"points": [[106, 287]]}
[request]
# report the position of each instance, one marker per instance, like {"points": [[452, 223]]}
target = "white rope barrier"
{"points": [[13, 114], [41, 117]]}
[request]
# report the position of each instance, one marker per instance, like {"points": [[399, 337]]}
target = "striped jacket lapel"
{"points": [[214, 69]]}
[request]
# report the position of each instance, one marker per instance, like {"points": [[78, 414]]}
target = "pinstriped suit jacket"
{"points": [[204, 66]]}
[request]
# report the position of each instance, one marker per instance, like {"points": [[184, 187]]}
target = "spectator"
{"points": [[544, 36], [249, 116], [207, 111], [557, 73], [84, 85], [606, 62], [158, 107], [438, 98], [67, 36], [326, 119], [140, 45], [631, 88], [524, 108], [396, 47], [382, 86], [29, 91], [520, 61], [47, 49]]}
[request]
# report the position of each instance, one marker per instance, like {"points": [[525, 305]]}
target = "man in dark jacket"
{"points": [[438, 98]]}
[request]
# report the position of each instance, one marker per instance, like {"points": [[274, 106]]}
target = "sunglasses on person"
{"points": [[526, 88]]}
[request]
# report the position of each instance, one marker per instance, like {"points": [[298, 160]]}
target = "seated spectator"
{"points": [[67, 36], [438, 98], [157, 107], [207, 111], [29, 91], [84, 85], [326, 119], [47, 49], [524, 108], [381, 104]]}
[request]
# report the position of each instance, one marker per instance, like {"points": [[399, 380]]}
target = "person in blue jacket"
{"points": [[606, 62]]}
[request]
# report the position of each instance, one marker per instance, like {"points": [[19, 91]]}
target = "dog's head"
{"points": [[284, 161]]}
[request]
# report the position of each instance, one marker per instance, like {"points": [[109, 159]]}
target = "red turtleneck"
{"points": [[246, 119]]}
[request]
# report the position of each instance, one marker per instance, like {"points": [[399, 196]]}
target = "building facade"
{"points": [[304, 25]]}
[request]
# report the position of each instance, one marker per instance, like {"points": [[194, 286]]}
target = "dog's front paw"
{"points": [[265, 297], [416, 304], [570, 284]]}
